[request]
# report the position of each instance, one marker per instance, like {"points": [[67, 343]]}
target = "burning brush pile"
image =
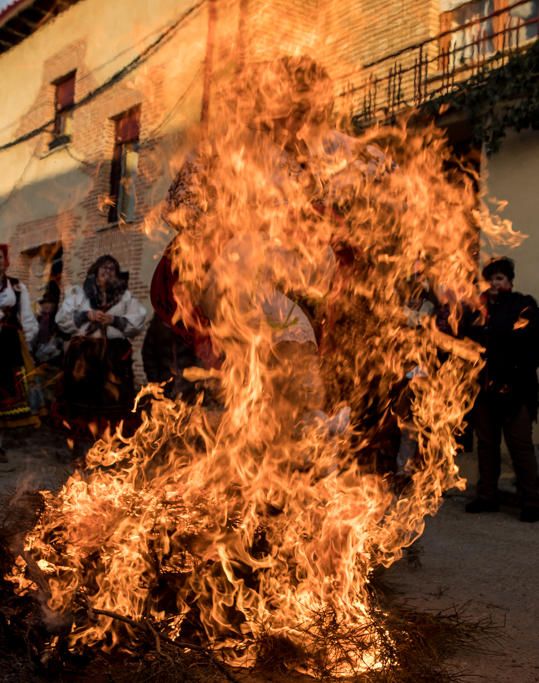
{"points": [[324, 275]]}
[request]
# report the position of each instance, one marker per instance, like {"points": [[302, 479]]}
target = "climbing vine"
{"points": [[496, 100]]}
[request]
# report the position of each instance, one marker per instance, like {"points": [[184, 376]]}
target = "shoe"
{"points": [[529, 515], [482, 505]]}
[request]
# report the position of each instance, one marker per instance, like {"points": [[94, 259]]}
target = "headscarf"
{"points": [[115, 288]]}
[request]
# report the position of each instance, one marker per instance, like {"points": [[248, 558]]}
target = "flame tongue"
{"points": [[254, 511]]}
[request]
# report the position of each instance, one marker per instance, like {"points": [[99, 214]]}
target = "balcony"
{"points": [[426, 71]]}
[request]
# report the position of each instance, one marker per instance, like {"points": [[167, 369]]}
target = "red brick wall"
{"points": [[363, 31], [342, 34], [288, 26]]}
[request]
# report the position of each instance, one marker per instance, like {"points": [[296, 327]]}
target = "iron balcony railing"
{"points": [[434, 67]]}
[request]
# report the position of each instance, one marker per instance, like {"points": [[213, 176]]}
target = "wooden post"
{"points": [[208, 64], [242, 42]]}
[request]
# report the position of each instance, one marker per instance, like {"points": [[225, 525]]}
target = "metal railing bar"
{"points": [[456, 49], [443, 34]]}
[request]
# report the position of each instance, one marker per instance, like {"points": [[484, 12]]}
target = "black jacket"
{"points": [[510, 335]]}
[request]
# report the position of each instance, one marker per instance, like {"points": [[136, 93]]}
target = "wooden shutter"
{"points": [[128, 126], [65, 92]]}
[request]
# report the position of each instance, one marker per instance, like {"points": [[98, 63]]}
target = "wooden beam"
{"points": [[11, 12], [61, 5], [8, 29], [28, 23], [44, 7], [18, 24], [35, 14], [29, 15], [32, 16]]}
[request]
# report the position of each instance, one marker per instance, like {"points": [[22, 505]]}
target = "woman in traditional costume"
{"points": [[101, 317], [18, 327]]}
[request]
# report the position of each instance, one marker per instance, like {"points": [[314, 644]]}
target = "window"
{"points": [[524, 20], [481, 28], [124, 166], [44, 276], [64, 99], [475, 38]]}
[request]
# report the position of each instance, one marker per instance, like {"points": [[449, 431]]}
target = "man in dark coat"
{"points": [[508, 329]]}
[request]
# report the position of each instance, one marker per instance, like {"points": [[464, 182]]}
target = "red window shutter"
{"points": [[65, 92], [128, 126]]}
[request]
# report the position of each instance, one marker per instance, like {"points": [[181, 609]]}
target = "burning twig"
{"points": [[247, 510], [145, 626]]}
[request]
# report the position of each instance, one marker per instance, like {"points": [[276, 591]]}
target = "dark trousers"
{"points": [[490, 420]]}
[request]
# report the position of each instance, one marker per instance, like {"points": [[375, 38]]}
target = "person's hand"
{"points": [[106, 319], [100, 317]]}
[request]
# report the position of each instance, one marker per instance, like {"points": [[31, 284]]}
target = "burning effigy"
{"points": [[321, 276]]}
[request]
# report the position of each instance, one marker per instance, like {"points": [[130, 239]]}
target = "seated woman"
{"points": [[100, 317], [18, 327]]}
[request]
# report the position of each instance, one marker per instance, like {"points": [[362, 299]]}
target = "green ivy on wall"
{"points": [[496, 100]]}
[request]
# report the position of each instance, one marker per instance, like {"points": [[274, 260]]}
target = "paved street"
{"points": [[488, 566]]}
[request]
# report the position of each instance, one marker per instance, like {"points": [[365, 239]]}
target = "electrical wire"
{"points": [[172, 110], [68, 148], [115, 78], [80, 78]]}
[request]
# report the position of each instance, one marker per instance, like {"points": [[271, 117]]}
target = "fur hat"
{"points": [[499, 264]]}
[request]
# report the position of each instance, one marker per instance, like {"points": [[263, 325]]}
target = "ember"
{"points": [[262, 510]]}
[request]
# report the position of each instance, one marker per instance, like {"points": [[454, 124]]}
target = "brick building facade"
{"points": [[156, 65], [58, 195]]}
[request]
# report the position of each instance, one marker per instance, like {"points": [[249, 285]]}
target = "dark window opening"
{"points": [[124, 165], [44, 275], [64, 100]]}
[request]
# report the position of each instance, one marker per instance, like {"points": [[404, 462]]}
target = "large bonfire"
{"points": [[318, 266]]}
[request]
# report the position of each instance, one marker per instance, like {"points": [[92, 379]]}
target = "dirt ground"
{"points": [[486, 566]]}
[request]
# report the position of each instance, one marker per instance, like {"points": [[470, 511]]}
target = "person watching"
{"points": [[101, 318], [508, 330]]}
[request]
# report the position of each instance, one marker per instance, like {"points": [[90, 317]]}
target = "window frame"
{"points": [[450, 27], [123, 171], [63, 111]]}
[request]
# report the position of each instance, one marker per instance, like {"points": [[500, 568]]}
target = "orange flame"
{"points": [[254, 514]]}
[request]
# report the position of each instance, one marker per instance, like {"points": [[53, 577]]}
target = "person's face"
{"points": [[2, 262], [500, 283], [105, 274]]}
